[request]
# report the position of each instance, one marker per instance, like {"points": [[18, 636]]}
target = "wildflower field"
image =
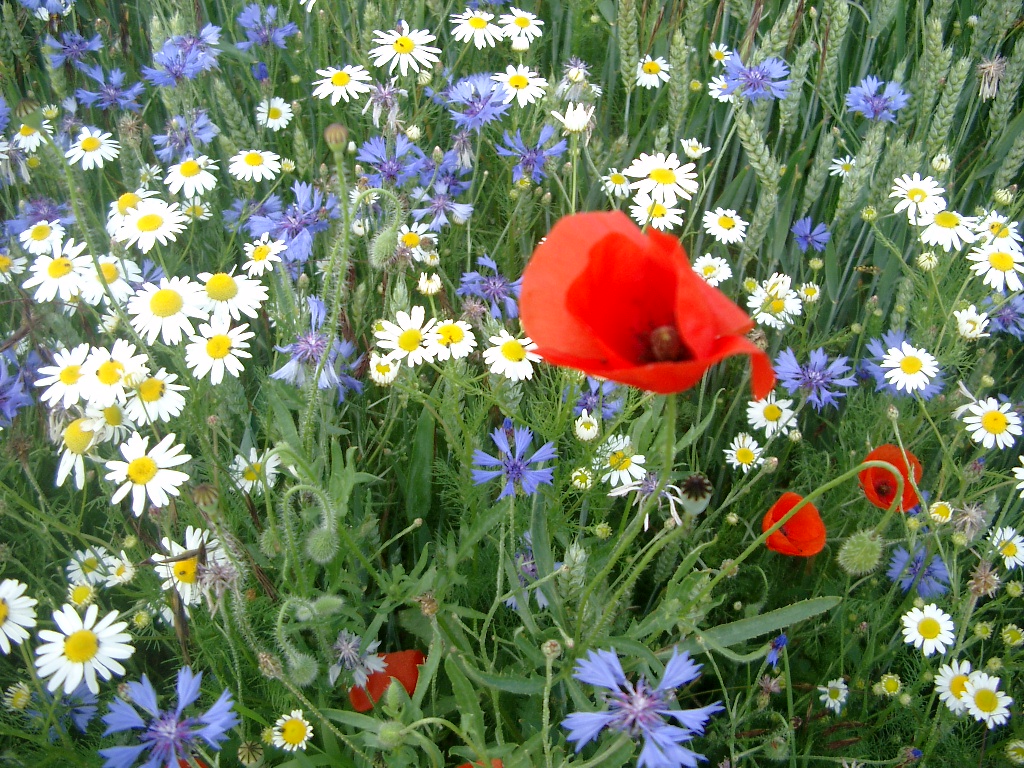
{"points": [[585, 384]]}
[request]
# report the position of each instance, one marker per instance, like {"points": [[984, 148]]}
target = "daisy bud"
{"points": [[737, 606], [302, 284], [771, 464], [129, 542], [520, 43], [732, 518], [905, 699], [413, 133], [816, 264], [603, 531], [336, 136], [795, 436], [1004, 196], [868, 213], [941, 162], [856, 328], [994, 664], [696, 86], [269, 665], [423, 78], [959, 539], [927, 261], [987, 381], [983, 630], [892, 412], [972, 21], [1014, 588], [351, 148], [551, 649], [437, 155], [861, 553]]}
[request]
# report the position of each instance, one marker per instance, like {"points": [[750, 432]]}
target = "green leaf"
{"points": [[522, 686], [417, 474], [352, 719], [466, 697], [727, 635]]}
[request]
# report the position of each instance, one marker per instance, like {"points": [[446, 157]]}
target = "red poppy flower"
{"points": [[495, 763], [601, 296], [802, 535], [183, 763], [404, 666], [880, 484]]}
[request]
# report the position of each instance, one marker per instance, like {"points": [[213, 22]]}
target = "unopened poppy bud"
{"points": [[336, 136], [771, 464], [666, 345], [391, 734], [861, 553], [987, 381], [269, 665]]}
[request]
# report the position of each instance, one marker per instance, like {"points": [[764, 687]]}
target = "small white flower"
{"points": [[663, 178], [724, 225], [970, 323], [842, 166], [1009, 545], [262, 255], [950, 684], [148, 473], [83, 648], [619, 464], [947, 229], [744, 453], [255, 165], [918, 197], [407, 337], [346, 83], [520, 25], [511, 357], [615, 184], [833, 695], [992, 424], [586, 427], [521, 84], [909, 368], [646, 210], [771, 415], [92, 148], [651, 73], [928, 628], [191, 176], [713, 270], [404, 48], [274, 113], [383, 370], [292, 731], [576, 119], [452, 339], [985, 702], [693, 149], [17, 613], [1000, 266], [475, 25]]}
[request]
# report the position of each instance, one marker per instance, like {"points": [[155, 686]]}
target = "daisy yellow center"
{"points": [[998, 229], [189, 168], [619, 461], [26, 130], [383, 368], [477, 23], [151, 222], [76, 438], [219, 346], [911, 364], [221, 287], [59, 268], [929, 628], [252, 472], [522, 22], [745, 456], [718, 56], [1001, 261], [91, 144], [293, 732], [916, 195], [651, 68], [726, 222], [834, 694], [662, 176], [90, 564], [709, 270], [185, 570], [403, 45], [5, 263], [4, 611], [617, 178], [450, 334], [994, 422], [260, 252], [33, 161], [166, 302], [986, 700], [847, 167], [1009, 549], [121, 570], [778, 305], [71, 375], [890, 685], [108, 272], [340, 79], [658, 211], [958, 685], [110, 372], [773, 412], [253, 158], [942, 511], [274, 113], [126, 202], [142, 470], [151, 390], [112, 416], [410, 239], [513, 350], [518, 82], [947, 220], [81, 646], [81, 594], [410, 340]]}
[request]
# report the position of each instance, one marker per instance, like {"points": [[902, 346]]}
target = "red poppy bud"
{"points": [[402, 665], [880, 484], [495, 763], [802, 535], [601, 296]]}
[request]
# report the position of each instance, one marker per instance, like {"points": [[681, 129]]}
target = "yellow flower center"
{"points": [[4, 611], [522, 22], [778, 305], [834, 693], [189, 169], [911, 364], [477, 23], [293, 732], [34, 162], [112, 416], [382, 368], [518, 82], [958, 685], [1000, 260], [450, 334], [221, 287], [91, 144], [58, 268], [219, 346], [891, 685], [71, 375], [110, 372], [81, 594], [709, 270], [986, 700], [90, 564], [617, 179], [151, 222], [260, 252], [252, 472], [151, 390], [745, 456], [81, 646], [142, 470], [340, 79], [514, 351], [253, 159], [1009, 549], [274, 113], [166, 302], [108, 272], [726, 222], [410, 239], [26, 130], [847, 167], [929, 628], [947, 220], [772, 412], [403, 45], [657, 211], [662, 176], [651, 68], [185, 570], [410, 339], [5, 262], [998, 229], [994, 422], [916, 195], [126, 202], [77, 439], [619, 461]]}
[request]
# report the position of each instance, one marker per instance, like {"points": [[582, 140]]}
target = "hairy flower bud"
{"points": [[860, 553]]}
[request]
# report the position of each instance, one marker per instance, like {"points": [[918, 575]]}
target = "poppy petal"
{"points": [[803, 535], [880, 484], [403, 666]]}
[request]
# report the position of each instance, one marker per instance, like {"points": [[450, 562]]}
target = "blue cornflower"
{"points": [[184, 57], [872, 367], [514, 466], [817, 377], [639, 710], [260, 28], [447, 171], [531, 159], [43, 9], [72, 47], [185, 135], [309, 214], [932, 580], [168, 736], [260, 73], [758, 81], [864, 98], [481, 101], [112, 91], [13, 396], [772, 657], [39, 209], [1008, 317], [439, 199], [149, 272], [240, 213], [808, 234], [5, 114], [384, 97], [309, 349], [526, 569], [79, 706], [495, 288], [600, 396], [393, 167]]}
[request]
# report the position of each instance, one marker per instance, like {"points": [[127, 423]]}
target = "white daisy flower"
{"points": [[615, 184], [88, 566], [833, 695], [1009, 545], [148, 473], [717, 87], [582, 479], [586, 427], [383, 370], [476, 26], [156, 398], [150, 222], [842, 166], [404, 48], [713, 270], [346, 83], [928, 628], [693, 149], [262, 255], [92, 148], [218, 348], [121, 207], [918, 197], [992, 424], [11, 266], [122, 570], [256, 472], [970, 323], [82, 649], [115, 273], [164, 310], [940, 512], [651, 73], [412, 236], [1018, 474], [452, 339], [744, 453], [76, 439], [996, 228], [255, 165], [180, 568], [59, 275], [110, 423], [985, 702], [149, 174], [197, 209], [999, 265], [724, 225], [81, 595], [407, 337], [809, 292], [520, 25], [191, 176], [774, 302], [63, 379], [274, 113], [719, 53], [646, 210], [107, 373], [429, 285], [576, 119], [618, 462], [511, 357], [30, 139], [663, 178], [521, 84], [292, 732], [909, 368], [771, 415], [947, 229], [17, 613], [229, 296], [950, 684]]}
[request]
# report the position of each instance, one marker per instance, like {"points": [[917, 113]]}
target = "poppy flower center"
{"points": [[1001, 261], [958, 685], [929, 628], [141, 470], [477, 23], [81, 646], [91, 144], [151, 390], [947, 220], [59, 268], [403, 45], [185, 570], [994, 422], [666, 346], [986, 700]]}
